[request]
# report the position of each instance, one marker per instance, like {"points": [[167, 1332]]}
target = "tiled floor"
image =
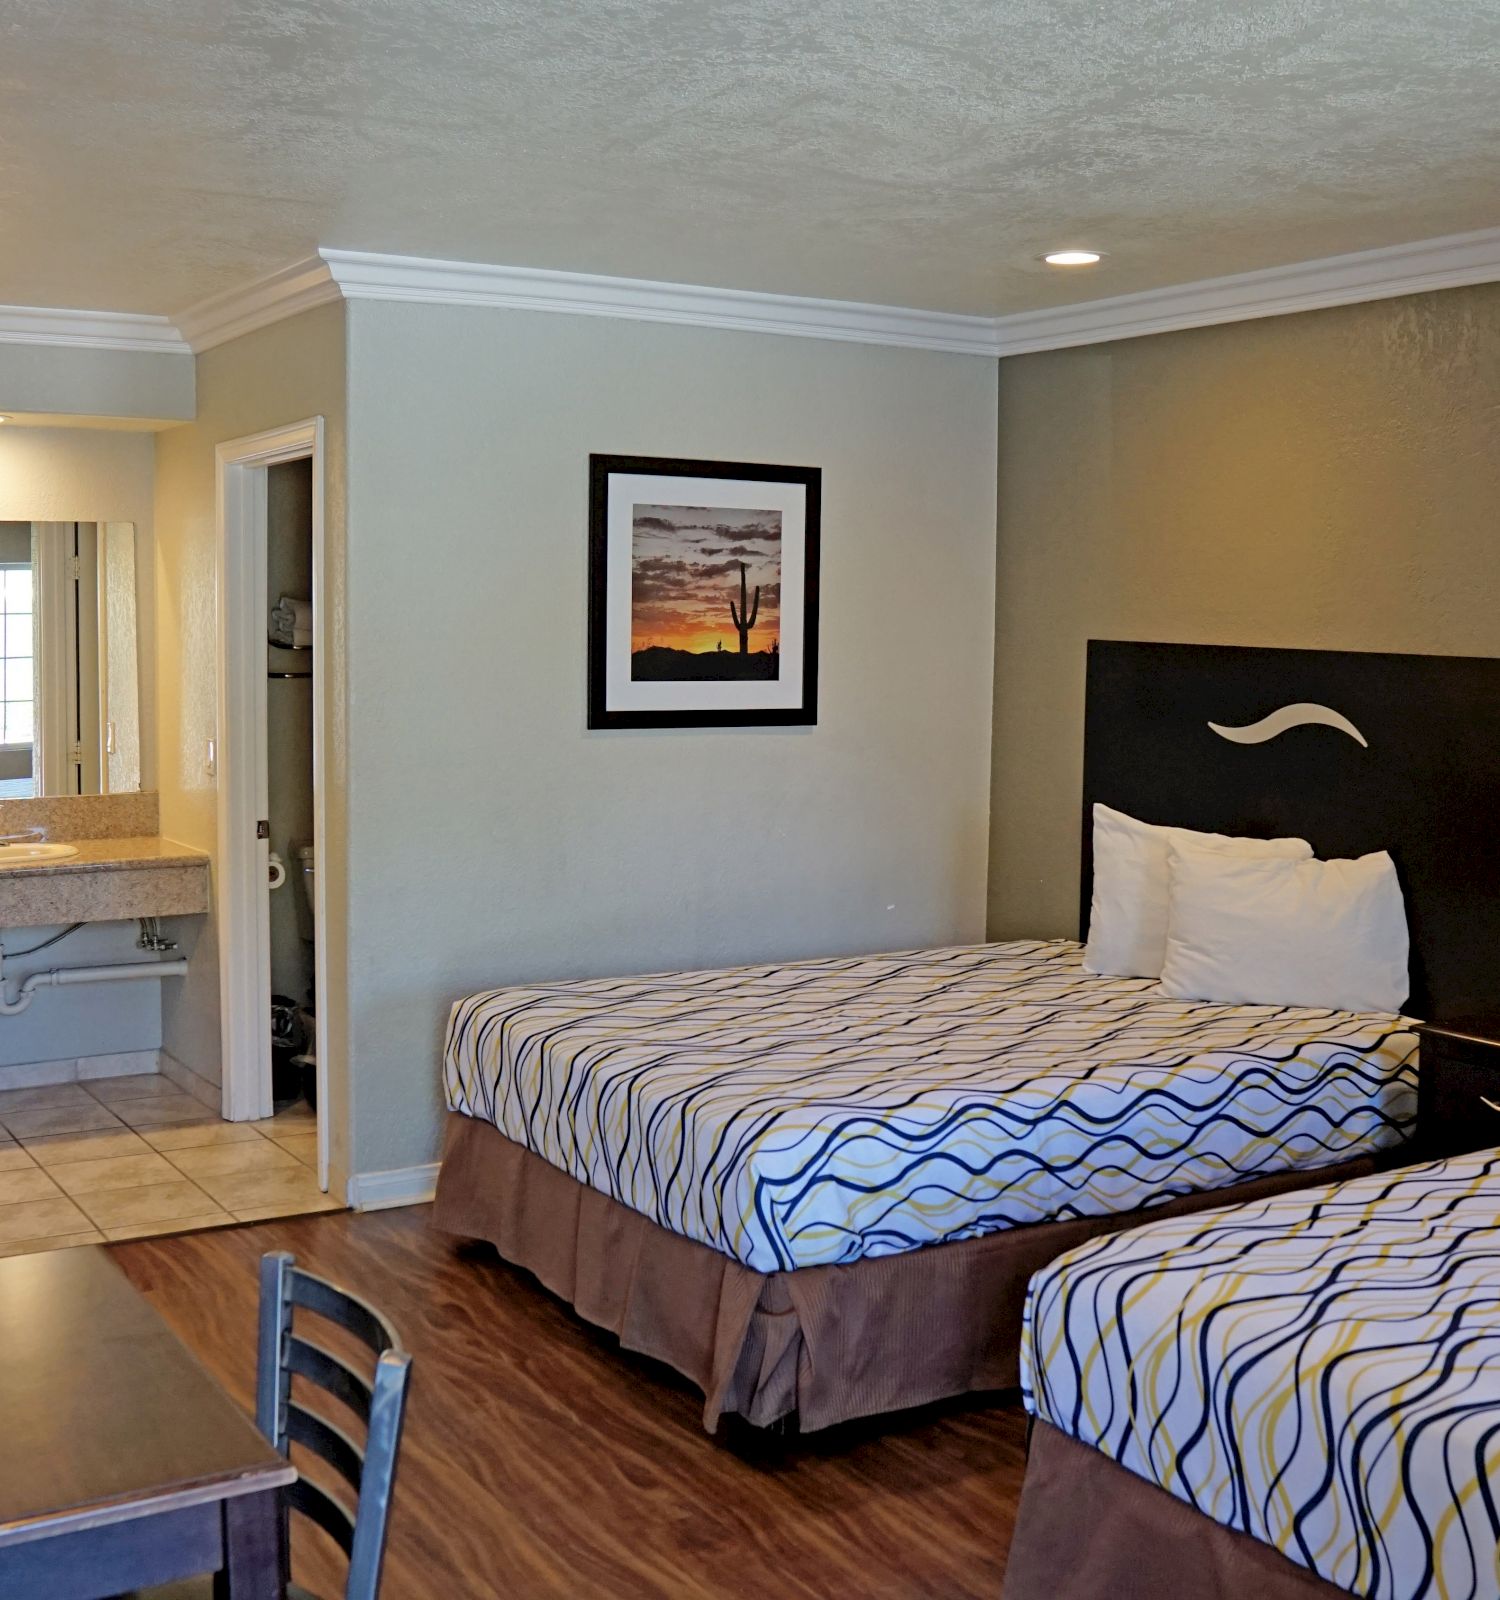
{"points": [[123, 1158]]}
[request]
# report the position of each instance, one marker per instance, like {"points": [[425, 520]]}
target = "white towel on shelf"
{"points": [[292, 623]]}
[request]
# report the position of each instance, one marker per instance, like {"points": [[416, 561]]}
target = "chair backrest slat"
{"points": [[328, 1371], [320, 1507], [350, 1312], [381, 1406], [327, 1442]]}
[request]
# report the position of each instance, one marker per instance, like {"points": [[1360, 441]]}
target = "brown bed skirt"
{"points": [[824, 1343], [1090, 1529]]}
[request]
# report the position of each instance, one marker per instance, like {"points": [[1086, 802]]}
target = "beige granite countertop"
{"points": [[65, 818], [110, 855]]}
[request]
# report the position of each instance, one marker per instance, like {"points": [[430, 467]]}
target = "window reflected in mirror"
{"points": [[69, 668]]}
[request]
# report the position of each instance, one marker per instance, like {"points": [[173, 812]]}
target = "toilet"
{"points": [[307, 863]]}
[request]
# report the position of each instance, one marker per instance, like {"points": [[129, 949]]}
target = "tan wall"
{"points": [[1330, 481], [279, 375]]}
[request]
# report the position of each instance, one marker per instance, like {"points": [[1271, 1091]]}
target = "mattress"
{"points": [[824, 1111], [1320, 1371]]}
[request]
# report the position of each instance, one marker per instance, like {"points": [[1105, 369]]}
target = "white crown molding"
{"points": [[1448, 263], [272, 298], [363, 276], [89, 330], [1452, 262]]}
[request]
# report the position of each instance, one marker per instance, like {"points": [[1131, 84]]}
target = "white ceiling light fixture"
{"points": [[1073, 258]]}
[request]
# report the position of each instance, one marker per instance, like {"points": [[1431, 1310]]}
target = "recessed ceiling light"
{"points": [[1072, 258]]}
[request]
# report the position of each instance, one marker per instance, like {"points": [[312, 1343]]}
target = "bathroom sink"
{"points": [[19, 855]]}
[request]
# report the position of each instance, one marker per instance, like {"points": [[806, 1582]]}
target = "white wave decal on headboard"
{"points": [[1303, 714]]}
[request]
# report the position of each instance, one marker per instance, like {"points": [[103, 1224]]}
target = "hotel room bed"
{"points": [[821, 1187], [1295, 1398]]}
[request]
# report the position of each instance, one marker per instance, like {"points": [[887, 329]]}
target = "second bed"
{"points": [[1298, 1399]]}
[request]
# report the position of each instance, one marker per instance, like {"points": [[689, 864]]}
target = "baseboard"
{"points": [[78, 1069], [401, 1186], [202, 1089], [122, 1064]]}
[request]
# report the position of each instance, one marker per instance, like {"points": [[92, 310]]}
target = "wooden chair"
{"points": [[371, 1471]]}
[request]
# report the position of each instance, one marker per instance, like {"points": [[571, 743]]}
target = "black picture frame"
{"points": [[603, 470]]}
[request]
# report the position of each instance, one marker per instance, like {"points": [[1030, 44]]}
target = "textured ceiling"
{"points": [[918, 152]]}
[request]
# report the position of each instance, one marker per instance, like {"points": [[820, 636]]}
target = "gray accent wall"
{"points": [[492, 838]]}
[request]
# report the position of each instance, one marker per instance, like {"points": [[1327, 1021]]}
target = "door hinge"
{"points": [[263, 829], [75, 755], [75, 568]]}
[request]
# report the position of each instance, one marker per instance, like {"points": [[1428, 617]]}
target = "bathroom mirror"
{"points": [[69, 691]]}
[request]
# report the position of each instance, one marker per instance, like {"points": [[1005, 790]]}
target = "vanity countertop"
{"points": [[111, 855], [109, 880]]}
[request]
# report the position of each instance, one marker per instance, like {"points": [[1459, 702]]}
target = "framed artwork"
{"points": [[703, 593]]}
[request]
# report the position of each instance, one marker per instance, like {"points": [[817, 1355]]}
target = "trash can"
{"points": [[287, 1039]]}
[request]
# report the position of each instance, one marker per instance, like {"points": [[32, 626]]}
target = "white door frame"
{"points": [[243, 867]]}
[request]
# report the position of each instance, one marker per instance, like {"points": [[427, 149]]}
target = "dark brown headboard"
{"points": [[1426, 787]]}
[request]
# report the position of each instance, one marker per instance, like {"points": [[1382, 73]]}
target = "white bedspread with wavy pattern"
{"points": [[821, 1111], [1320, 1370]]}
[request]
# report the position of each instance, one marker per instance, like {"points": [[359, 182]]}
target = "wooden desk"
{"points": [[122, 1462]]}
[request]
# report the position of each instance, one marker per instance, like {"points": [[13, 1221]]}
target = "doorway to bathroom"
{"points": [[271, 764], [292, 877]]}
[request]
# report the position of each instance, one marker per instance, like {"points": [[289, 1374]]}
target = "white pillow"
{"points": [[1286, 933], [1128, 918]]}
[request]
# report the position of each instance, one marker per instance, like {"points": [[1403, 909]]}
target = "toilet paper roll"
{"points": [[278, 871]]}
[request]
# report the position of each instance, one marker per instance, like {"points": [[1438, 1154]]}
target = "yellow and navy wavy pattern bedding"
{"points": [[1320, 1371], [826, 1110]]}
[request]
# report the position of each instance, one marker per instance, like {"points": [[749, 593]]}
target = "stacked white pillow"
{"points": [[1243, 931], [1245, 921], [1132, 888]]}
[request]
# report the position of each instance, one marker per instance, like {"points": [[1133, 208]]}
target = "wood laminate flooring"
{"points": [[540, 1460]]}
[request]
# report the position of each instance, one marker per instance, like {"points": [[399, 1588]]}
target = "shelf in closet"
{"points": [[299, 648]]}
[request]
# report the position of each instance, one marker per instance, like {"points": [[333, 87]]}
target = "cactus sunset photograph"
{"points": [[703, 593]]}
